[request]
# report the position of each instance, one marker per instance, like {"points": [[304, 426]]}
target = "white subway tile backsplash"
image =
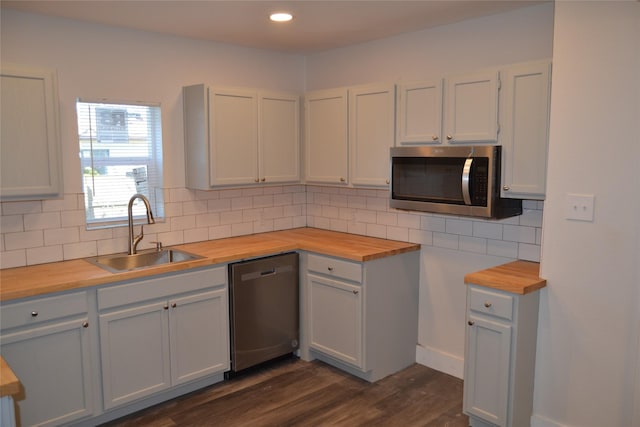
{"points": [[12, 259], [459, 226], [45, 231], [44, 254], [23, 240]]}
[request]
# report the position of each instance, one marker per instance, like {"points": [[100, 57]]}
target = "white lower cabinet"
{"points": [[46, 342], [361, 317], [499, 358], [160, 333]]}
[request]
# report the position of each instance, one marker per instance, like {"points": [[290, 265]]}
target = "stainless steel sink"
{"points": [[118, 263]]}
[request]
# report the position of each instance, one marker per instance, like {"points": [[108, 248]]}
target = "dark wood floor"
{"points": [[298, 393]]}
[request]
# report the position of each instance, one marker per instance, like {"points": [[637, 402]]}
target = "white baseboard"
{"points": [[440, 361], [540, 421]]}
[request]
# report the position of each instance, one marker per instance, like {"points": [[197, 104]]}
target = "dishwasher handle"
{"points": [[257, 274]]}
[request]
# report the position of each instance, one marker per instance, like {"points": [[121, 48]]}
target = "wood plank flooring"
{"points": [[298, 393]]}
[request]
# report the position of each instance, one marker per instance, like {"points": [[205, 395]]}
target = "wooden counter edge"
{"points": [[9, 383], [518, 277]]}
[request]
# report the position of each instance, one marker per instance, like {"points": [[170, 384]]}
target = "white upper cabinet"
{"points": [[30, 142], [371, 133], [471, 107], [419, 113], [326, 144], [239, 136], [279, 137], [233, 132], [525, 106]]}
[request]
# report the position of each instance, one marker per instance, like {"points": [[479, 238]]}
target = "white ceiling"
{"points": [[317, 25]]}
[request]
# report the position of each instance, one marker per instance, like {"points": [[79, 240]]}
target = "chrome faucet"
{"points": [[133, 241]]}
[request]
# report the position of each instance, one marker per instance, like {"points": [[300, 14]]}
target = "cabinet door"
{"points": [[134, 345], [472, 107], [487, 366], [525, 107], [326, 149], [53, 365], [335, 319], [279, 138], [371, 133], [419, 113], [29, 144], [199, 332], [233, 135]]}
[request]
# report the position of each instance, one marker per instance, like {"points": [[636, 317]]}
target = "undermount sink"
{"points": [[118, 263]]}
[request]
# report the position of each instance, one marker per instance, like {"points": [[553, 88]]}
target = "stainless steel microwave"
{"points": [[459, 180]]}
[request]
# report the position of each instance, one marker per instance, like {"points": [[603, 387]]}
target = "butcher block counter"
{"points": [[42, 279], [518, 277]]}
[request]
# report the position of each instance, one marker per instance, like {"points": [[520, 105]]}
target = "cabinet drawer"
{"points": [[43, 309], [160, 287], [335, 268], [490, 302]]}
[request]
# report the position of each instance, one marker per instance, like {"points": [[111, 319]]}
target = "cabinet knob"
{"points": [[471, 323], [166, 307], [174, 305], [487, 304], [85, 324], [263, 179], [330, 268], [435, 137], [505, 188], [256, 180], [449, 137], [355, 292], [387, 182], [34, 314], [342, 180]]}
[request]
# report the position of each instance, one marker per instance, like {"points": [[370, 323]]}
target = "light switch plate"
{"points": [[579, 207]]}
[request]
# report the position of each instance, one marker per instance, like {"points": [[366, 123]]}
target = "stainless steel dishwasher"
{"points": [[263, 309]]}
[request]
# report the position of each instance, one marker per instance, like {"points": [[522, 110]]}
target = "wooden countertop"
{"points": [[9, 383], [42, 279], [518, 277]]}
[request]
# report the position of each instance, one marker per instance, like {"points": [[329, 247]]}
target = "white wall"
{"points": [[96, 61], [589, 314]]}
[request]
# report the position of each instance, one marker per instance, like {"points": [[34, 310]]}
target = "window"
{"points": [[120, 155]]}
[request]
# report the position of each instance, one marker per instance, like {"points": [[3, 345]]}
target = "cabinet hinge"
{"points": [[499, 83]]}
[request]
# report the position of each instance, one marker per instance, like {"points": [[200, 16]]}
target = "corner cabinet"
{"points": [[52, 334], [463, 109], [525, 107], [348, 133], [360, 317], [30, 141], [326, 137], [184, 321], [239, 136], [500, 355]]}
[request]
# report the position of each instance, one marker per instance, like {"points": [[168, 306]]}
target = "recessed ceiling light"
{"points": [[281, 17]]}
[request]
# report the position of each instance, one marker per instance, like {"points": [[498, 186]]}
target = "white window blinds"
{"points": [[120, 155]]}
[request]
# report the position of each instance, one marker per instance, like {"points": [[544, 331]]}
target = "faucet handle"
{"points": [[158, 245]]}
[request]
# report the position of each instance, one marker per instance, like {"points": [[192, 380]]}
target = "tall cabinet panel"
{"points": [[30, 141], [371, 133], [234, 137], [326, 133], [279, 137], [525, 106]]}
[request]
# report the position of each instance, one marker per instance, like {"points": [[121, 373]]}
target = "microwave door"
{"points": [[428, 179]]}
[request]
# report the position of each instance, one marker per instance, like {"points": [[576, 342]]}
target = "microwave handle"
{"points": [[466, 172]]}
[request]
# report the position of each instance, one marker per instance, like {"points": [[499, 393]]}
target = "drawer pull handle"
{"points": [[85, 324], [471, 323], [34, 314], [487, 304]]}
